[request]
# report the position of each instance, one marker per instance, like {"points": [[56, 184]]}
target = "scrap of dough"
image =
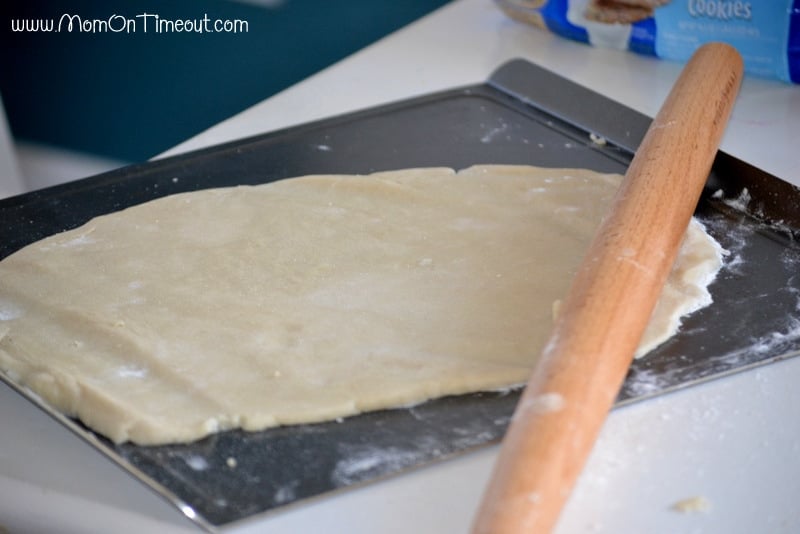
{"points": [[692, 504], [306, 299]]}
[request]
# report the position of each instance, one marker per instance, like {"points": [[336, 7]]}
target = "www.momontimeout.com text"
{"points": [[141, 23]]}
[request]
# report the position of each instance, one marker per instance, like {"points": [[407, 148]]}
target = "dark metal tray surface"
{"points": [[522, 115]]}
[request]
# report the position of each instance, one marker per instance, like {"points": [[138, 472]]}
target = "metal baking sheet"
{"points": [[522, 115]]}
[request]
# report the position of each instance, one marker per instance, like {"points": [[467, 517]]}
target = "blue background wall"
{"points": [[131, 96]]}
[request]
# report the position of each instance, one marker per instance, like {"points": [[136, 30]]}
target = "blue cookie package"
{"points": [[766, 33]]}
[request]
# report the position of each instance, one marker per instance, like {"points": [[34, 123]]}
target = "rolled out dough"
{"points": [[308, 299]]}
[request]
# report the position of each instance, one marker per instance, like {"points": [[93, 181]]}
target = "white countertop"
{"points": [[735, 441]]}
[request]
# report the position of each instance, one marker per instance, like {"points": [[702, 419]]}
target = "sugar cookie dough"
{"points": [[307, 299]]}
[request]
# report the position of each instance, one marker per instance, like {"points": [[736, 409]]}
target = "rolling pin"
{"points": [[601, 321]]}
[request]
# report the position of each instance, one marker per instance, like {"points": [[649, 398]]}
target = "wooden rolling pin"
{"points": [[609, 304]]}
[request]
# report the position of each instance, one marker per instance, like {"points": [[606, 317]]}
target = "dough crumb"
{"points": [[597, 139], [231, 462], [692, 505]]}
